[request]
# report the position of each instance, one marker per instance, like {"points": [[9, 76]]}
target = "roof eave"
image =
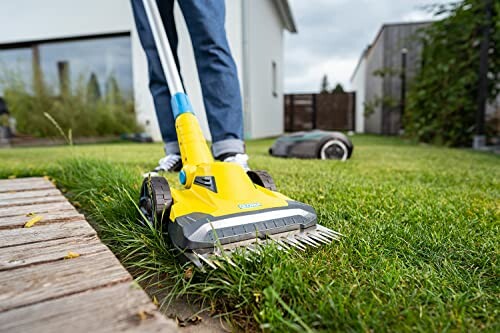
{"points": [[286, 15]]}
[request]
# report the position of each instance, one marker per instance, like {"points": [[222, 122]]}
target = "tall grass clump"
{"points": [[421, 252], [77, 108]]}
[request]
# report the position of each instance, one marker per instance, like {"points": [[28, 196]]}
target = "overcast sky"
{"points": [[333, 33]]}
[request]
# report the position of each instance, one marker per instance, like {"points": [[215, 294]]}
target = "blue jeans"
{"points": [[216, 70]]}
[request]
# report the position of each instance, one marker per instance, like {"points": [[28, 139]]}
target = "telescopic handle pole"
{"points": [[192, 143], [163, 47]]}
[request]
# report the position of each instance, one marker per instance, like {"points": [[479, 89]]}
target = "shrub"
{"points": [[99, 116], [442, 101]]}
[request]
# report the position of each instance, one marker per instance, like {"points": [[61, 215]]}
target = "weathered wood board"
{"points": [[47, 251], [37, 283], [28, 195], [90, 311], [13, 237], [25, 184], [35, 209], [16, 202], [50, 217], [57, 276]]}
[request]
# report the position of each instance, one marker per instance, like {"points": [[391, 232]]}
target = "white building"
{"points": [[382, 93], [358, 79], [99, 37]]}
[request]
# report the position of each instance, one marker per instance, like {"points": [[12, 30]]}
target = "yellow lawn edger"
{"points": [[222, 207]]}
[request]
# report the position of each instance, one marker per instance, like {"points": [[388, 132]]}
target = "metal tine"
{"points": [[319, 235], [215, 258], [253, 248], [328, 236], [329, 231], [219, 257], [205, 260], [194, 259], [263, 243], [216, 261], [295, 243], [237, 250], [226, 257], [281, 245], [260, 246], [245, 253], [286, 242], [318, 238], [242, 251], [266, 242], [248, 255], [335, 234], [282, 248], [307, 240], [278, 243], [231, 262]]}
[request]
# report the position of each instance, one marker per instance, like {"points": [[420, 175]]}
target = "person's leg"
{"points": [[218, 74], [157, 82]]}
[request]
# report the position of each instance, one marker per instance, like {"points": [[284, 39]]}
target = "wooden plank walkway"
{"points": [[43, 289]]}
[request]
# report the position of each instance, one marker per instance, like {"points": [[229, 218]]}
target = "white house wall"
{"points": [[358, 85], [28, 20], [265, 45], [374, 86]]}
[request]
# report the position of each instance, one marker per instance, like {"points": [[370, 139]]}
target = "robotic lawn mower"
{"points": [[313, 144]]}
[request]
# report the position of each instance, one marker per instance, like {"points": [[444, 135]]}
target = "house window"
{"points": [[275, 79], [15, 66], [70, 63], [107, 59]]}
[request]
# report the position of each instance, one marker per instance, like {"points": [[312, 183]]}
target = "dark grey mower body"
{"points": [[313, 144], [201, 231]]}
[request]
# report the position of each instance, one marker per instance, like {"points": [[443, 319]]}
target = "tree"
{"points": [[338, 88], [325, 85], [113, 92], [93, 89], [442, 101]]}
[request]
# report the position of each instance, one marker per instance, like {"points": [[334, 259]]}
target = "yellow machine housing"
{"points": [[235, 191]]}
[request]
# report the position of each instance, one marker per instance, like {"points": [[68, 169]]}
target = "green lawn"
{"points": [[420, 252]]}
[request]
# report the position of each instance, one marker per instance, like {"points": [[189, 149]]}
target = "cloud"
{"points": [[333, 33], [309, 81]]}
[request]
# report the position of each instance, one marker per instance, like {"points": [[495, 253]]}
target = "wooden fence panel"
{"points": [[329, 111]]}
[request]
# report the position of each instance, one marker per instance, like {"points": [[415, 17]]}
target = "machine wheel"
{"points": [[262, 178], [336, 146], [334, 149], [155, 200]]}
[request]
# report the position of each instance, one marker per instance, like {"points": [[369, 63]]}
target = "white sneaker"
{"points": [[169, 163], [240, 159]]}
